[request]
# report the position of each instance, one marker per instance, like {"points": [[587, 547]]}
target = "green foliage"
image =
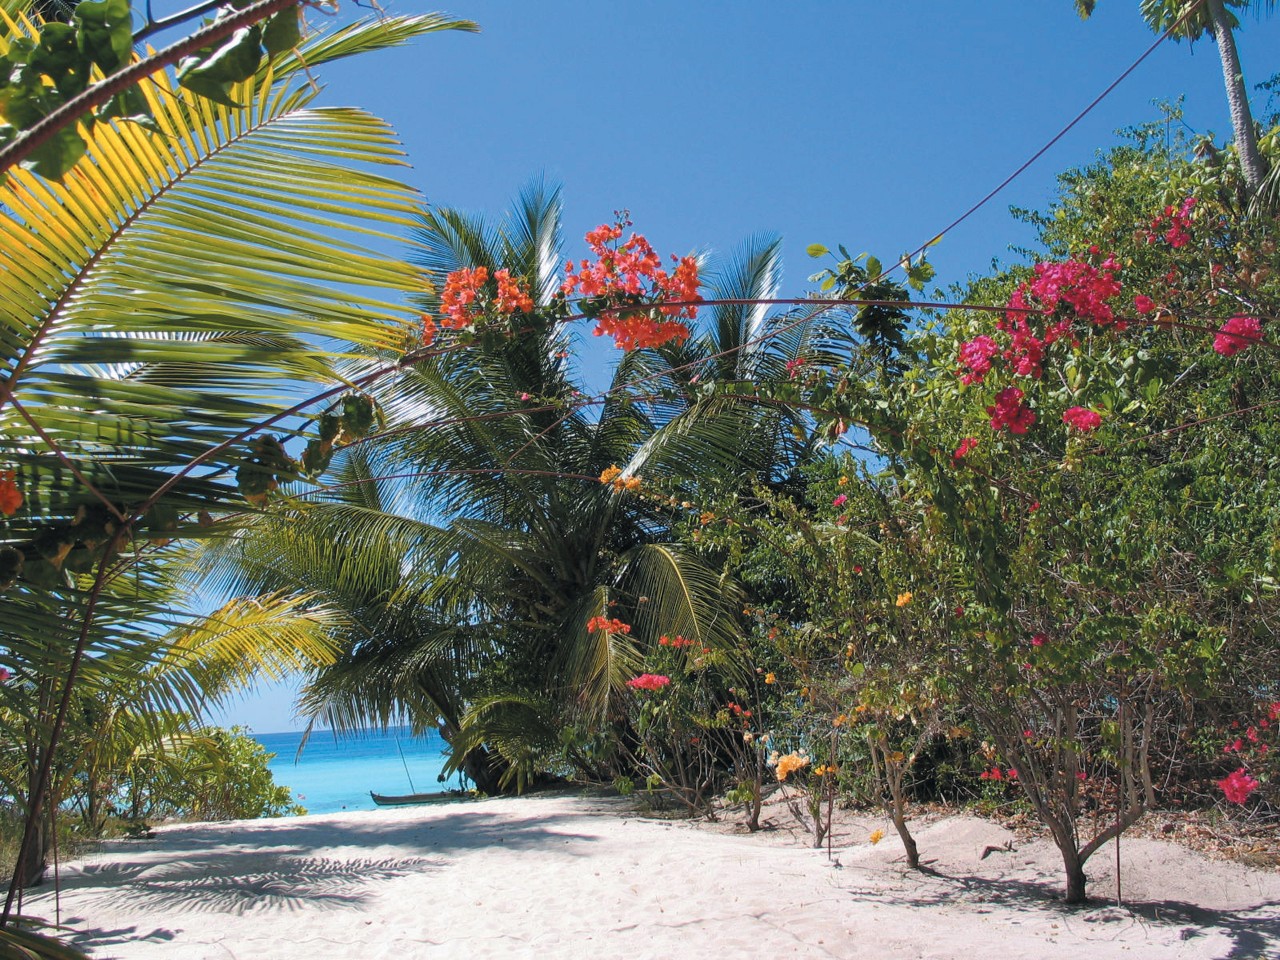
{"points": [[43, 71], [212, 774]]}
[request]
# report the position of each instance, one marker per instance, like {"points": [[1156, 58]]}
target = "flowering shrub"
{"points": [[1253, 747]]}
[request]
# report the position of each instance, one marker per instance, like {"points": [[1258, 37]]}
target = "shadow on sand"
{"points": [[1254, 932]]}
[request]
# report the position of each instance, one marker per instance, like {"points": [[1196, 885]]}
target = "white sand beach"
{"points": [[566, 876]]}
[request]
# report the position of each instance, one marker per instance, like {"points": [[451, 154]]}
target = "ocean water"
{"points": [[337, 774]]}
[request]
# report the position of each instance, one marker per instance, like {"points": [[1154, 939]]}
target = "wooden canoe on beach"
{"points": [[405, 800]]}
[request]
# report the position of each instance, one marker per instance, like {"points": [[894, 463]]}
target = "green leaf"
{"points": [[53, 159], [235, 60], [816, 250], [874, 267], [105, 32], [282, 32]]}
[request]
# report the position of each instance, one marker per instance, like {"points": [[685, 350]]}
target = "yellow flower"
{"points": [[771, 677], [904, 598], [630, 483], [843, 480], [610, 474], [825, 770], [876, 837]]}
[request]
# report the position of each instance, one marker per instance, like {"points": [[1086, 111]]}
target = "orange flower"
{"points": [[10, 495], [904, 598], [876, 836], [789, 764]]}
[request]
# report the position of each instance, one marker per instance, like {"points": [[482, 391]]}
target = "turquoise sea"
{"points": [[337, 774]]}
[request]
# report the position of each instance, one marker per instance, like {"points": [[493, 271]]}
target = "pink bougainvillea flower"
{"points": [[1237, 786], [975, 356], [1236, 335], [1143, 304], [5, 674], [1082, 419], [1039, 640], [840, 501], [1010, 411], [649, 681]]}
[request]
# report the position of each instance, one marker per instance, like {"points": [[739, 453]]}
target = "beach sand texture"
{"points": [[566, 876]]}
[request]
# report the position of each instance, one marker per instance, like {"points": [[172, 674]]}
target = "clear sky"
{"points": [[871, 124]]}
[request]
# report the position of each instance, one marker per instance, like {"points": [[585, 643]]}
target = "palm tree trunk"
{"points": [[1252, 164]]}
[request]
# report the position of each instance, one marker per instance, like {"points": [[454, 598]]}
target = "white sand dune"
{"points": [[563, 876]]}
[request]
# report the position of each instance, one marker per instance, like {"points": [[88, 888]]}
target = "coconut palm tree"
{"points": [[472, 543], [177, 288], [1213, 17]]}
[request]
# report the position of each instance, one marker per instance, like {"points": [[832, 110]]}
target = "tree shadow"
{"points": [[237, 883], [287, 865], [1254, 931]]}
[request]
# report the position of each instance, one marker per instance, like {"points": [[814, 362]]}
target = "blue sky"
{"points": [[871, 124]]}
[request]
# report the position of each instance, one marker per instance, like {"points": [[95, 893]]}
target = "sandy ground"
{"points": [[566, 876]]}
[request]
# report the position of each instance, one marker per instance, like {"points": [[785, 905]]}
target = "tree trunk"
{"points": [[1075, 876], [1252, 164], [485, 770], [908, 841]]}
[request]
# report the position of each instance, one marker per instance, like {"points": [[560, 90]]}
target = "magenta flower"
{"points": [[1082, 419], [1010, 411], [1143, 304], [649, 681], [1236, 335], [839, 501]]}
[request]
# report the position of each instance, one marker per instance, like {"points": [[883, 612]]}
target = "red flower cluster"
{"points": [[649, 681], [1082, 419], [1174, 225], [462, 302], [607, 625], [1011, 411], [676, 643], [967, 446], [1237, 785], [10, 495], [995, 774], [737, 710], [630, 275], [1236, 335]]}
